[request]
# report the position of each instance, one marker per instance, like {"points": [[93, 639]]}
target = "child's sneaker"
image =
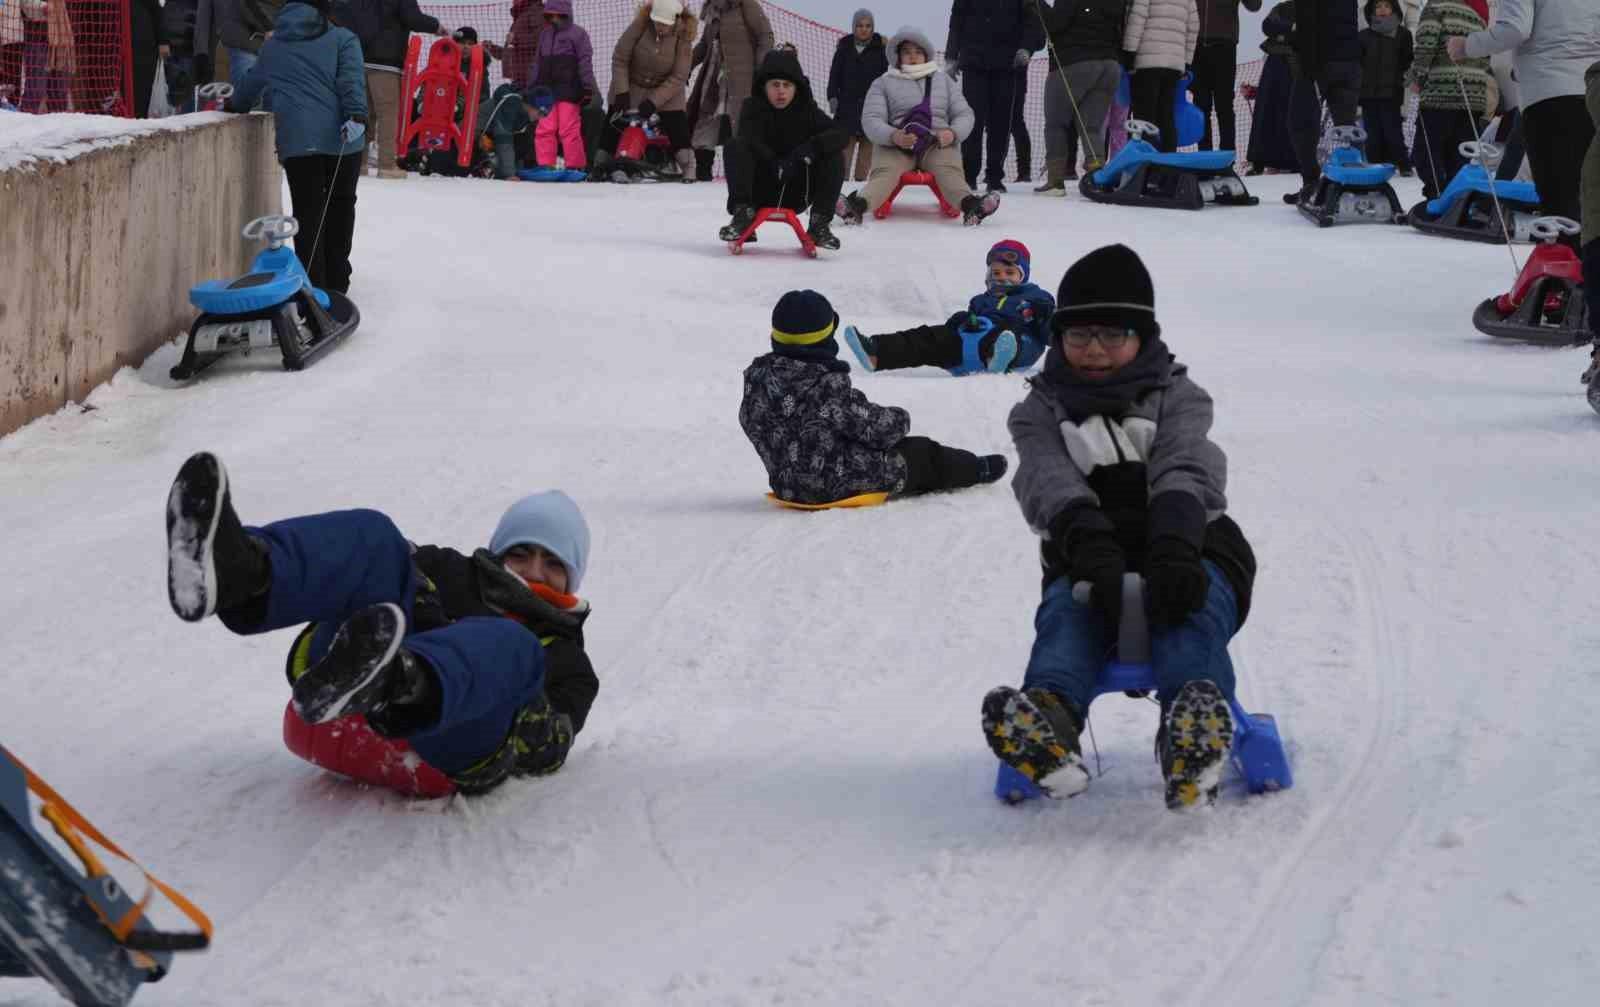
{"points": [[1004, 351], [211, 562], [861, 346], [850, 209], [991, 468], [975, 208], [364, 670], [743, 217], [1193, 744], [1036, 734]]}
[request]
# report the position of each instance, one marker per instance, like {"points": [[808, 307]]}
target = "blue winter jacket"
{"points": [[314, 81], [1026, 311]]}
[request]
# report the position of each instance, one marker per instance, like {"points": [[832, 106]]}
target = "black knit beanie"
{"points": [[1109, 286], [803, 323]]}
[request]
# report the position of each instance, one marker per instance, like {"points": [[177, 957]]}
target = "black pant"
{"points": [[1437, 146], [1558, 132], [991, 93], [1339, 86], [1591, 285], [1386, 139], [927, 346], [1509, 136], [324, 252], [1153, 92], [1215, 77], [757, 183], [931, 466], [1019, 128]]}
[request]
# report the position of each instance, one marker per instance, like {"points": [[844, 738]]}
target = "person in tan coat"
{"points": [[650, 74], [737, 36]]}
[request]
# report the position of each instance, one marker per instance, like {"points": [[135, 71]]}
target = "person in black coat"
{"points": [[989, 42], [1270, 147], [859, 59], [1385, 57], [1327, 47], [177, 51], [145, 41], [787, 152]]}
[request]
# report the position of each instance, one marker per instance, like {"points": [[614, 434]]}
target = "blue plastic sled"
{"points": [[1477, 207], [552, 175], [1351, 190], [1140, 175]]}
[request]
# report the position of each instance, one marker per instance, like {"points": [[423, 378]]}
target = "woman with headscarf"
{"points": [[736, 38], [858, 60]]}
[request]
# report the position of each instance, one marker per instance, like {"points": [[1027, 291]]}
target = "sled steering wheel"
{"points": [[1142, 129], [1349, 136], [217, 90], [1485, 152], [275, 229], [1553, 228]]}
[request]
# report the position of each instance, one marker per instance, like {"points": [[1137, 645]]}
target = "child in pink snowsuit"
{"points": [[564, 63]]}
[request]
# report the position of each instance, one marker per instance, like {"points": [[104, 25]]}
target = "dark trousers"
{"points": [[991, 94], [1558, 131], [1509, 136], [924, 346], [761, 183], [930, 466], [317, 181], [1386, 139], [327, 567], [1436, 150], [1215, 78], [1340, 87], [1153, 92], [1019, 127], [1591, 285]]}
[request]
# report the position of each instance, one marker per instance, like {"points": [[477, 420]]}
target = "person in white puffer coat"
{"points": [[1158, 44]]}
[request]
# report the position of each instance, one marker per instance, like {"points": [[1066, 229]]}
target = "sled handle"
{"points": [[217, 90], [1349, 136], [1486, 152], [275, 228], [1133, 634], [1138, 128], [1553, 228]]}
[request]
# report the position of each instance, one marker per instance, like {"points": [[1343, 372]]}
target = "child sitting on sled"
{"points": [[1004, 328], [820, 439], [1117, 473], [476, 661]]}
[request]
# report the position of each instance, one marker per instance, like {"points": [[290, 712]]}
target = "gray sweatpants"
{"points": [[1094, 86]]}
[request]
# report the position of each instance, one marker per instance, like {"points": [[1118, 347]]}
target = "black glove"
{"points": [[1175, 582], [1127, 59], [202, 68], [543, 738], [647, 108], [1087, 542], [797, 157]]}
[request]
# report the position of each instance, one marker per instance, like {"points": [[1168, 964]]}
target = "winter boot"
{"points": [[211, 563], [861, 346], [686, 164], [991, 468], [1003, 353], [1055, 173], [703, 160], [743, 217], [1036, 733], [975, 208], [600, 167], [1193, 744], [365, 671], [996, 186], [1301, 197], [821, 233], [851, 209]]}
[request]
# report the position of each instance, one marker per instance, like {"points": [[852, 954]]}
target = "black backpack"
{"points": [[362, 17]]}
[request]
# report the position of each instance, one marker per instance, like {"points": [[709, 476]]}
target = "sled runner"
{"points": [[1140, 175], [1477, 207], [447, 119], [272, 306], [1257, 752], [1546, 306], [915, 178], [1351, 191], [73, 925], [781, 215], [848, 503]]}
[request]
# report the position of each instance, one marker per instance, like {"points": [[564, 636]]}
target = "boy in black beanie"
{"points": [[820, 439], [1116, 472]]}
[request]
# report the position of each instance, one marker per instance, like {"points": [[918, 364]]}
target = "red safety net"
{"points": [[66, 56]]}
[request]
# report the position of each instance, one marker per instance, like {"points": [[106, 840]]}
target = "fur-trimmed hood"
{"points": [[908, 34]]}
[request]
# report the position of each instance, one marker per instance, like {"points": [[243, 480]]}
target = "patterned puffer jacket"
{"points": [[1163, 33], [820, 439]]}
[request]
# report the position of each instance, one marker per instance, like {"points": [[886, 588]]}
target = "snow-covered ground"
{"points": [[783, 795]]}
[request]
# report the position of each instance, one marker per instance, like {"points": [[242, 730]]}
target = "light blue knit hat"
{"points": [[551, 521]]}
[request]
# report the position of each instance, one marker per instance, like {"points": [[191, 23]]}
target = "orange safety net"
{"points": [[65, 56]]}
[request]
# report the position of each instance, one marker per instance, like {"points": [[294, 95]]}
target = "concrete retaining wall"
{"points": [[97, 254]]}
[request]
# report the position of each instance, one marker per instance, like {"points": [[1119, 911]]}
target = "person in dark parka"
{"points": [[1327, 47], [146, 37], [787, 152], [1385, 57], [1270, 145], [989, 41], [857, 62], [1216, 64]]}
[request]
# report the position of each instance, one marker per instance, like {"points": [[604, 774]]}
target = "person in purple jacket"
{"points": [[564, 63]]}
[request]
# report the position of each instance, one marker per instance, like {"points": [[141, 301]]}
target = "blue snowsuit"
{"points": [[963, 348]]}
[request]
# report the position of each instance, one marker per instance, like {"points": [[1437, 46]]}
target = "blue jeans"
{"points": [[326, 567], [1071, 644], [239, 63]]}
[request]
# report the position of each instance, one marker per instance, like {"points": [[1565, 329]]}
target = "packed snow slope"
{"points": [[783, 795]]}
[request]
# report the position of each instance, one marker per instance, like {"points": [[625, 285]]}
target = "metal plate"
{"points": [[226, 337]]}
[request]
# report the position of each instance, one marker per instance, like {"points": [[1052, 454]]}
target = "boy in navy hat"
{"points": [[476, 661], [1004, 328], [820, 439], [1117, 473]]}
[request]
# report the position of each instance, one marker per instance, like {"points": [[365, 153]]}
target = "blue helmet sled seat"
{"points": [[272, 306], [73, 925], [1140, 175], [1350, 190], [1477, 207]]}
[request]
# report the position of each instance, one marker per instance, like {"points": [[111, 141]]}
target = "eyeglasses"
{"points": [[1079, 336]]}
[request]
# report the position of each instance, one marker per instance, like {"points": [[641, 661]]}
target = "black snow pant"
{"points": [[1215, 79], [1591, 286], [757, 183], [1386, 138], [1509, 136], [315, 181], [991, 94], [1153, 92], [930, 466], [1340, 87], [1436, 148], [927, 346], [1558, 131], [1019, 127]]}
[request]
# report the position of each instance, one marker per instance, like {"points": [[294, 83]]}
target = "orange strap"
{"points": [[69, 823]]}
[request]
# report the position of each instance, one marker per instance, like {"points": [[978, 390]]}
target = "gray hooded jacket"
{"points": [[1553, 42], [892, 96]]}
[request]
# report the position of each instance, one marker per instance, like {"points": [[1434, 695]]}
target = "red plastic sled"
{"points": [[782, 216], [349, 747], [916, 178], [442, 87]]}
